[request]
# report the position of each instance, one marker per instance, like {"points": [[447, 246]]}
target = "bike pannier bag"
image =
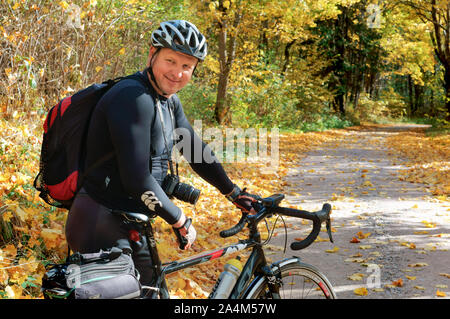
{"points": [[104, 275]]}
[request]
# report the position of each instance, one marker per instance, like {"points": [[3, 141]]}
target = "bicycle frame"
{"points": [[256, 263]]}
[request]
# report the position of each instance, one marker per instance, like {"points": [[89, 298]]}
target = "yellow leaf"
{"points": [[418, 265], [52, 237], [181, 283], [335, 249], [365, 247], [361, 235], [411, 277], [361, 291], [367, 184], [415, 206], [98, 69], [226, 4], [390, 286], [63, 4], [356, 276], [16, 6], [440, 293], [419, 287], [22, 215], [122, 51]]}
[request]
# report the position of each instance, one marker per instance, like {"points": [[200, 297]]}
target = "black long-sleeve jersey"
{"points": [[126, 122]]}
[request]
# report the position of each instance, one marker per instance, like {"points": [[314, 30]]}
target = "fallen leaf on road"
{"points": [[409, 245], [378, 289], [398, 283], [428, 224], [355, 260], [419, 287], [411, 277], [355, 240], [418, 265], [445, 275], [440, 293], [356, 277], [335, 249], [360, 291], [361, 235], [365, 247], [321, 239]]}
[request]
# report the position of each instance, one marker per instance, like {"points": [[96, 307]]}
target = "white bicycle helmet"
{"points": [[182, 36]]}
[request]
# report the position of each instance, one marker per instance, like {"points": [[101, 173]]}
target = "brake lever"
{"points": [[328, 224]]}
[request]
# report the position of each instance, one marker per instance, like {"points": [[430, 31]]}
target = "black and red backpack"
{"points": [[63, 146]]}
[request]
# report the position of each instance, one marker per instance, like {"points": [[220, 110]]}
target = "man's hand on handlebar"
{"points": [[246, 202]]}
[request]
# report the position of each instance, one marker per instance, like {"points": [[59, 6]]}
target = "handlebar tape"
{"points": [[317, 217], [235, 229]]}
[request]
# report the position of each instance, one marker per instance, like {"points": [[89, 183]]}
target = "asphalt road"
{"points": [[403, 232]]}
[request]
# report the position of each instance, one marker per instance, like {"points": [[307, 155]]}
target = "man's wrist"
{"points": [[231, 196], [180, 222]]}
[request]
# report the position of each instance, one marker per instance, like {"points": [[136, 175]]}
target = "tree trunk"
{"points": [[287, 56], [411, 95], [447, 91], [227, 51], [441, 42], [222, 107]]}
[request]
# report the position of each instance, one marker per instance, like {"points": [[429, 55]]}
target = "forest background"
{"points": [[299, 65]]}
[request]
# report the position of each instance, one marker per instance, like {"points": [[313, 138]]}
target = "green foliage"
{"points": [[198, 102], [289, 62]]}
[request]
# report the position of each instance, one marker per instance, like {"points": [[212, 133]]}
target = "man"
{"points": [[135, 119]]}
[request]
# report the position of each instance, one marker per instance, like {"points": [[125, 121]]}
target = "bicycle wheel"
{"points": [[297, 281]]}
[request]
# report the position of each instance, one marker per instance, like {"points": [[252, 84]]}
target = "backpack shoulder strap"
{"points": [[111, 83]]}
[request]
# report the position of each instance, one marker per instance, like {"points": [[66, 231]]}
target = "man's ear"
{"points": [[150, 55]]}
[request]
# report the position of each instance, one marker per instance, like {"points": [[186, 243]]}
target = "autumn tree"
{"points": [[436, 13]]}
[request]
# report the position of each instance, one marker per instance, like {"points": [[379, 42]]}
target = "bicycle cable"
{"points": [[273, 229]]}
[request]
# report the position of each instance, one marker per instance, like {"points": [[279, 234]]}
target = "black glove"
{"points": [[246, 202]]}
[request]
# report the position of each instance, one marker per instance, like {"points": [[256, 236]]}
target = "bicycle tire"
{"points": [[312, 283]]}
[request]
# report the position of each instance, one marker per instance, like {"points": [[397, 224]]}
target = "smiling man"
{"points": [[135, 121]]}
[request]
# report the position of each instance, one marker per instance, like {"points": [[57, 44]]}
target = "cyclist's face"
{"points": [[172, 69]]}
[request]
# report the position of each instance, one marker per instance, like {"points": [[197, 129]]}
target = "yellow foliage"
{"points": [[428, 160]]}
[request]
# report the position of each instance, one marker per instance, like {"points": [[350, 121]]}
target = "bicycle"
{"points": [[258, 279]]}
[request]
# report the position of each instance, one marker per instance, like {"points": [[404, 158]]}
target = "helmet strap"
{"points": [[152, 75]]}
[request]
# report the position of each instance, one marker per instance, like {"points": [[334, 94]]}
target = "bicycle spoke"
{"points": [[298, 282]]}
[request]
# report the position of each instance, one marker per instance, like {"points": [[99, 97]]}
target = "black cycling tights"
{"points": [[91, 227]]}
